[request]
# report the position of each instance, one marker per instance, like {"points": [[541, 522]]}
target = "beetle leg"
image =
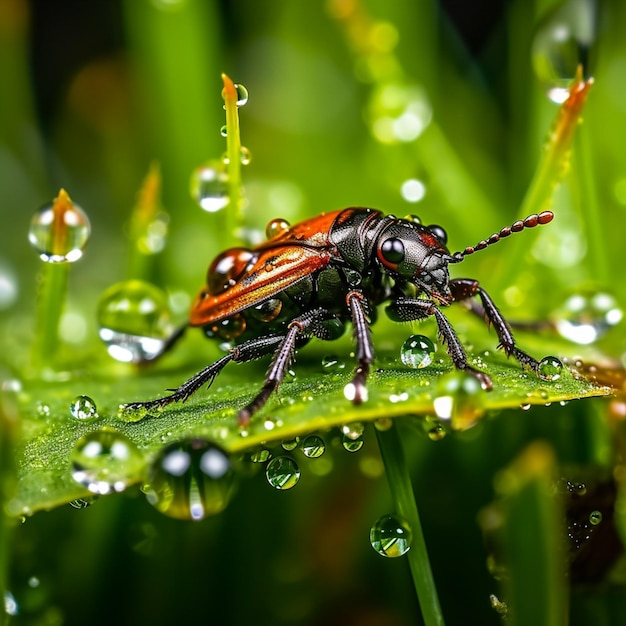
{"points": [[411, 309], [464, 288], [357, 390], [302, 325], [247, 351]]}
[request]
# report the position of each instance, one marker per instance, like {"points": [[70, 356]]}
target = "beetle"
{"points": [[312, 278]]}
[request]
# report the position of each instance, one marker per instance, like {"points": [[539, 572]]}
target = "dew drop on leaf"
{"points": [[106, 461], [459, 400], [83, 408], [190, 480], [352, 445], [391, 536], [595, 518], [134, 320], [417, 351], [313, 446], [282, 473], [290, 444], [550, 368]]}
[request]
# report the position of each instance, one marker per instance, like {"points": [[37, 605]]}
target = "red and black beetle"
{"points": [[309, 279]]}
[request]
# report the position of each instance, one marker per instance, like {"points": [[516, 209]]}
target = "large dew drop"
{"points": [[209, 186], [83, 408], [550, 368], [191, 479], [106, 461], [417, 351], [134, 320], [562, 42], [458, 400], [391, 536], [59, 232], [282, 473]]}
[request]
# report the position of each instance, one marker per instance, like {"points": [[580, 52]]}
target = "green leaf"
{"points": [[311, 403]]}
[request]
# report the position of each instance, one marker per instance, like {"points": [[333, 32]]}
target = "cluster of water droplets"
{"points": [[209, 183], [563, 41]]}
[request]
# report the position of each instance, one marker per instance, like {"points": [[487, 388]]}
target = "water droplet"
{"points": [[587, 316], [282, 473], [459, 400], [525, 407], [83, 408], [134, 319], [83, 503], [313, 447], [383, 424], [498, 606], [391, 536], [562, 42], [106, 461], [10, 604], [595, 518], [191, 479], [353, 430], [332, 363], [417, 351], [224, 131], [436, 432], [352, 445], [260, 456], [276, 227], [550, 368], [59, 231], [245, 156], [290, 444], [242, 95], [209, 186]]}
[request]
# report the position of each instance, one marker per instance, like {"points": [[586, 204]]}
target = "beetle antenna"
{"points": [[530, 222]]}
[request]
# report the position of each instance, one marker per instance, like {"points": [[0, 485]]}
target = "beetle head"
{"points": [[417, 254]]}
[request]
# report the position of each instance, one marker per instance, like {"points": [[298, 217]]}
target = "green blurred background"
{"points": [[93, 92]]}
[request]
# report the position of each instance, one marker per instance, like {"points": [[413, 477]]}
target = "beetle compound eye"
{"points": [[439, 232], [391, 252], [227, 268]]}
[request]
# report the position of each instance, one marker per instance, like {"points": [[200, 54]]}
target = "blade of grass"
{"points": [[402, 493], [533, 539]]}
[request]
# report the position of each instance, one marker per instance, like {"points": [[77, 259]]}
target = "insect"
{"points": [[312, 278]]}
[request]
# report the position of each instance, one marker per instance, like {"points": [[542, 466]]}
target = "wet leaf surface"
{"points": [[313, 402]]}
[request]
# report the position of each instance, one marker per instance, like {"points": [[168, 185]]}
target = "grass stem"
{"points": [[402, 494]]}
